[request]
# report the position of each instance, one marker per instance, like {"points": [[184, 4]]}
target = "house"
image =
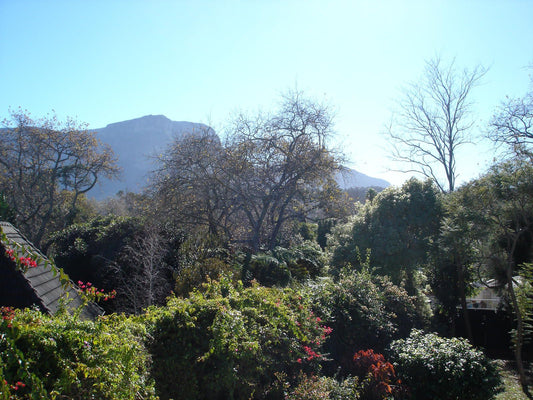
{"points": [[43, 286], [487, 297]]}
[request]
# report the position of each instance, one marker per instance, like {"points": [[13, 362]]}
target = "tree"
{"points": [[453, 259], [499, 209], [434, 121], [512, 125], [190, 184], [144, 277], [268, 174], [41, 158], [398, 227]]}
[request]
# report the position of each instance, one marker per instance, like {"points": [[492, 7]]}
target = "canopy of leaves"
{"points": [[365, 312], [231, 342], [39, 159], [398, 226]]}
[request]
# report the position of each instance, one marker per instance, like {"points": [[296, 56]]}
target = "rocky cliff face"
{"points": [[350, 178], [136, 143]]}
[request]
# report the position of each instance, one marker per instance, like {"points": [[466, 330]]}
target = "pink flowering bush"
{"points": [[92, 293], [23, 263]]}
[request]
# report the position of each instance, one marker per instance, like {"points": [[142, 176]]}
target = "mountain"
{"points": [[136, 143], [350, 178]]}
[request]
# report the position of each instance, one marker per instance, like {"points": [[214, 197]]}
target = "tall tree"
{"points": [[434, 121], [453, 260], [39, 159], [268, 173], [499, 211], [398, 226], [512, 125], [190, 184]]}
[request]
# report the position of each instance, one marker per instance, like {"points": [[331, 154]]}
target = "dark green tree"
{"points": [[398, 226], [499, 211], [453, 259]]}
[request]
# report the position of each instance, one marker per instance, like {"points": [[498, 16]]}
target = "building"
{"points": [[43, 286]]}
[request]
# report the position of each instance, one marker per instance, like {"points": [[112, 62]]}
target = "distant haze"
{"points": [[137, 142]]}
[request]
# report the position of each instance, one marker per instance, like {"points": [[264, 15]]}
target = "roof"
{"points": [[45, 280]]}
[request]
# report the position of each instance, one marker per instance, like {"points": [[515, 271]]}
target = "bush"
{"points": [[377, 376], [192, 277], [268, 270], [228, 342], [62, 356], [444, 369], [365, 312], [304, 261], [312, 387], [282, 266]]}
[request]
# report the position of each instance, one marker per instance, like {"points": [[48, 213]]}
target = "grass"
{"points": [[512, 391]]}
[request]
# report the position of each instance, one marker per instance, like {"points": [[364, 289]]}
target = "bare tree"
{"points": [[512, 125], [434, 121], [145, 278], [266, 175]]}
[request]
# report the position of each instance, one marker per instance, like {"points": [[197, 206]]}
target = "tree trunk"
{"points": [[519, 338], [462, 294]]}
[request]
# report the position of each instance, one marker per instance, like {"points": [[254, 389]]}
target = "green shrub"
{"points": [[313, 387], [365, 312], [194, 276], [305, 261], [282, 266], [444, 369], [228, 342], [268, 270], [64, 357]]}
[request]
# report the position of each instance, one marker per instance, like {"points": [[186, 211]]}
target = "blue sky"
{"points": [[201, 61]]}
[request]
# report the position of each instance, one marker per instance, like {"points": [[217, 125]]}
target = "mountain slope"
{"points": [[350, 178], [137, 142]]}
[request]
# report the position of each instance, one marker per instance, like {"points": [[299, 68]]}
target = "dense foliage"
{"points": [[444, 369], [121, 253], [230, 342], [245, 277], [366, 312], [49, 357], [282, 266], [398, 225]]}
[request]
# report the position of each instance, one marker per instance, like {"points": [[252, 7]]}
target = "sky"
{"points": [[104, 61]]}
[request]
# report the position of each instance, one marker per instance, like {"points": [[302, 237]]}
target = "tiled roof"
{"points": [[45, 281]]}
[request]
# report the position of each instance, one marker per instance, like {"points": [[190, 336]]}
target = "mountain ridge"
{"points": [[137, 141]]}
